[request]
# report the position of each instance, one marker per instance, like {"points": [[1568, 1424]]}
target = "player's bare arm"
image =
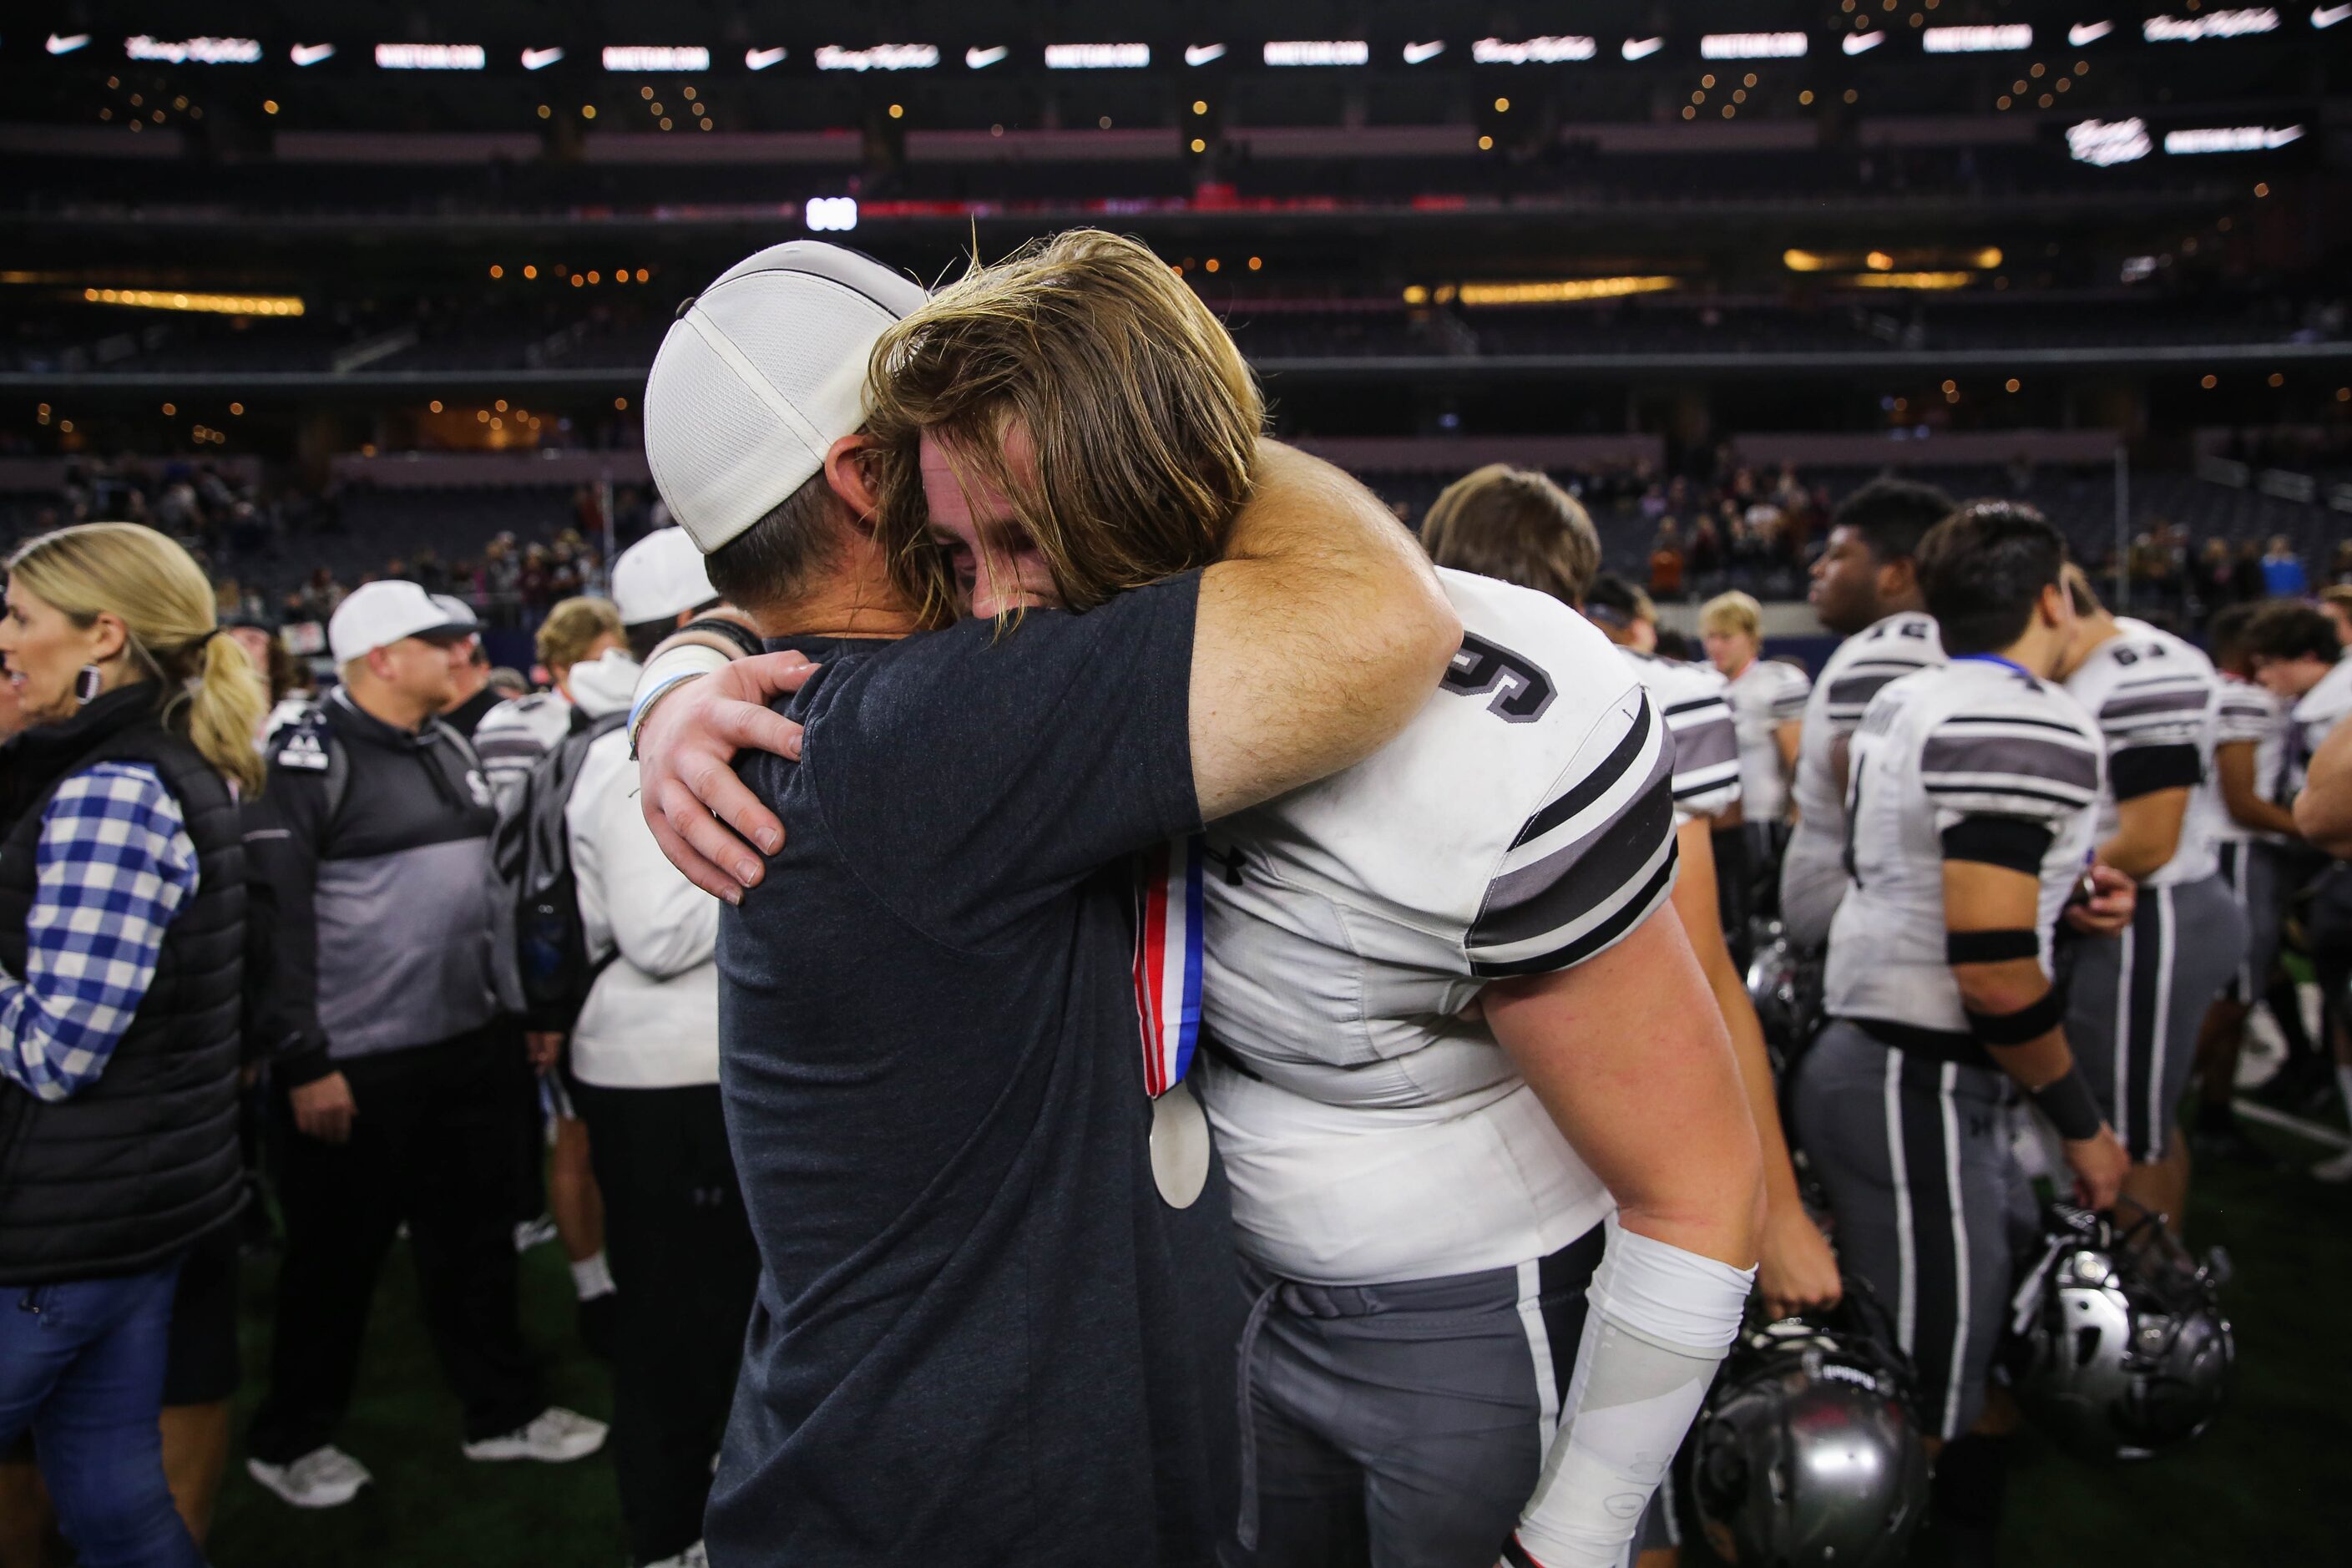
{"points": [[2241, 795], [2323, 812], [2147, 832]]}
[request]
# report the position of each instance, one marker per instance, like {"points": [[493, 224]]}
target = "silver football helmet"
{"points": [[1807, 1454], [2119, 1349]]}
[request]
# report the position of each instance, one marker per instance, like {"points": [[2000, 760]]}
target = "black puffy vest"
{"points": [[144, 1160]]}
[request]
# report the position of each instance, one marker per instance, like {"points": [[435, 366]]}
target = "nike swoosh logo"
{"points": [[2325, 16], [66, 45], [761, 59], [1417, 54], [1862, 43], [1201, 54], [1642, 48], [2082, 33], [311, 53], [539, 60], [981, 59], [2272, 138]]}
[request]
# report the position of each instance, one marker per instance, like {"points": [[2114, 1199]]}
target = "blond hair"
{"points": [[166, 606], [1735, 612], [573, 627], [1516, 525], [1141, 414]]}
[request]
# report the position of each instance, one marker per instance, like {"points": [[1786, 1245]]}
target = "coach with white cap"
{"points": [[398, 1083]]}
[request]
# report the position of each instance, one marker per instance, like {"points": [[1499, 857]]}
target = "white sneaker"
{"points": [[693, 1556], [323, 1477], [2335, 1171], [554, 1436]]}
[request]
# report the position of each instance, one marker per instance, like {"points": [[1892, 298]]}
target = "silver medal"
{"points": [[1180, 1146]]}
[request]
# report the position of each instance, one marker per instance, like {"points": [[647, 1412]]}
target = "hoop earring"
{"points": [[88, 684]]}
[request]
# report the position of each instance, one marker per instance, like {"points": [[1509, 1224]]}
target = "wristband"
{"points": [[645, 704], [2028, 1024], [2069, 1104], [1991, 946]]}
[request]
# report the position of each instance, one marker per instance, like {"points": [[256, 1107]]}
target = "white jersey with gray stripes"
{"points": [[1976, 738], [1859, 669], [1766, 695], [2244, 712], [2153, 697], [1521, 824], [1696, 703]]}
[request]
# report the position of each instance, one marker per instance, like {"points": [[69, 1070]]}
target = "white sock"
{"points": [[591, 1277]]}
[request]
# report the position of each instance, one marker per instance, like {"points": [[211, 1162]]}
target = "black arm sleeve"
{"points": [[2135, 771], [284, 829], [2011, 842]]}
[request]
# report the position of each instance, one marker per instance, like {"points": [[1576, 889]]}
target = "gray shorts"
{"points": [[1914, 1155], [1404, 1425], [2136, 1001], [2250, 869]]}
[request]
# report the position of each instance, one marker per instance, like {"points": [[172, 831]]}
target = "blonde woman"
{"points": [[122, 937]]}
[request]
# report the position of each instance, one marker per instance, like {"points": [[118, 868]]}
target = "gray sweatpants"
{"points": [[2134, 1003], [1404, 1425], [1915, 1156], [2250, 869]]}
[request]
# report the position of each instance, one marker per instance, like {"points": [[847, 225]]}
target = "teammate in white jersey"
{"points": [[1768, 703], [2251, 834], [2136, 999], [1865, 588], [1970, 816]]}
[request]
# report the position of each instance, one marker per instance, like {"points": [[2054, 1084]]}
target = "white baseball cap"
{"points": [[376, 615], [660, 575], [760, 374]]}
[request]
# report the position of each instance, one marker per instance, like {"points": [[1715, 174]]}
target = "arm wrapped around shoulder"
{"points": [[1661, 1318]]}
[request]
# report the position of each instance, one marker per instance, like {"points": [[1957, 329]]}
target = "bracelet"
{"points": [[2026, 1024], [645, 704], [2069, 1104]]}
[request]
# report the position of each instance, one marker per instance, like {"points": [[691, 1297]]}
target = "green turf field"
{"points": [[2269, 1485]]}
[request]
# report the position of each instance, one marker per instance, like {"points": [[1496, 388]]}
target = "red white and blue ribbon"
{"points": [[1168, 960]]}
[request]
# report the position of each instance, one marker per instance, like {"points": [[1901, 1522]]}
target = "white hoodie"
{"points": [[651, 1020]]}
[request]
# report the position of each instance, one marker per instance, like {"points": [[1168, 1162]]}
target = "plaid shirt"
{"points": [[115, 865]]}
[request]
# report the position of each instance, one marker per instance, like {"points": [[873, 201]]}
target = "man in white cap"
{"points": [[398, 1083], [995, 1322]]}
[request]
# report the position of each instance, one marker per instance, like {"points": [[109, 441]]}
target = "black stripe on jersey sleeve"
{"points": [[2135, 771], [1991, 795], [1601, 937], [1594, 784], [2010, 842], [1568, 885], [1854, 689]]}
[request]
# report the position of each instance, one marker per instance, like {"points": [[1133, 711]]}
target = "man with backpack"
{"points": [[397, 1078]]}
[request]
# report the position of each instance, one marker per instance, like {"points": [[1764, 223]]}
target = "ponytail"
{"points": [[226, 700]]}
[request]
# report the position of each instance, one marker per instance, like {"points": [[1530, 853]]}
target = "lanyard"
{"points": [[1994, 658]]}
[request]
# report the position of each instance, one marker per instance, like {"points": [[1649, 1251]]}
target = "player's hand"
{"points": [[2108, 910], [688, 787], [1795, 1268], [542, 1046], [2099, 1163], [323, 1109]]}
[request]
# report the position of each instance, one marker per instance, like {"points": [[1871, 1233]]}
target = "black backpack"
{"points": [[547, 973]]}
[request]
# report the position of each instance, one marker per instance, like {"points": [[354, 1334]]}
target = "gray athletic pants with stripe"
{"points": [[1402, 1425], [2250, 869], [2135, 1002], [1914, 1155]]}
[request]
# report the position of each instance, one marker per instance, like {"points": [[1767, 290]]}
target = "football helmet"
{"points": [[1807, 1454], [2118, 1346]]}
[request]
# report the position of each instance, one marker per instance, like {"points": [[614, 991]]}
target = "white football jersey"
{"points": [[2153, 697], [2319, 711], [1978, 738], [2243, 712], [515, 734], [1694, 701], [1765, 696], [1857, 672], [1521, 824]]}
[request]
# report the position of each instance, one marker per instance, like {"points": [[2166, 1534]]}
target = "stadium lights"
{"points": [[1097, 57], [657, 58], [2103, 143], [1549, 49], [1558, 291], [831, 214], [2241, 22], [214, 304], [1752, 45], [2233, 139], [880, 57], [431, 58], [195, 51], [1911, 279], [1976, 40], [1318, 52]]}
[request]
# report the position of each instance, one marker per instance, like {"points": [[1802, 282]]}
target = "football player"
{"points": [[1865, 588], [2136, 999], [1969, 823]]}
